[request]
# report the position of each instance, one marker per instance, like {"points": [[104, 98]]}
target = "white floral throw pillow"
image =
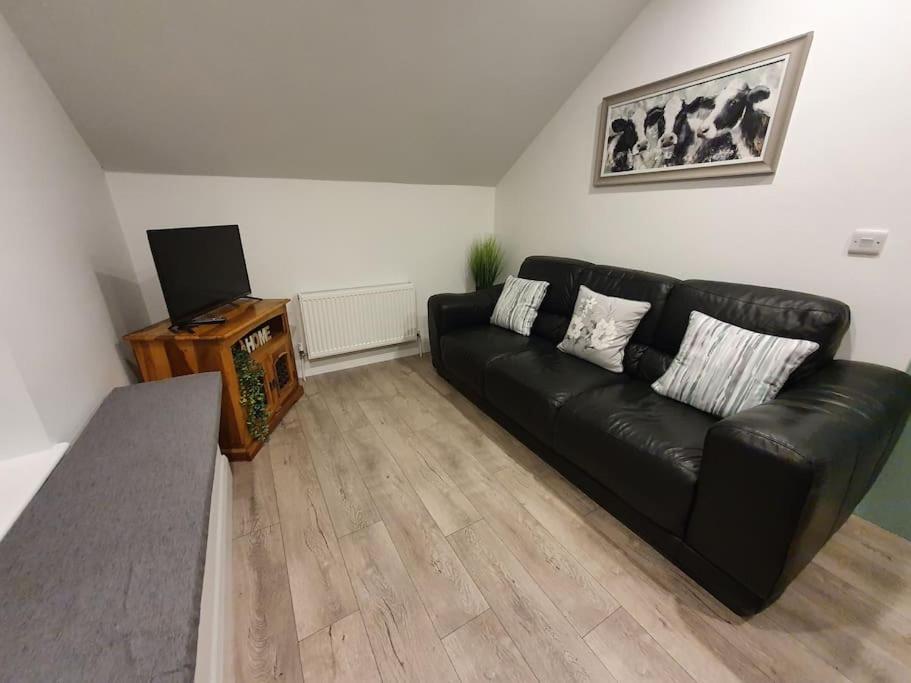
{"points": [[601, 328]]}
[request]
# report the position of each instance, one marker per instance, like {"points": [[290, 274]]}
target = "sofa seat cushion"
{"points": [[467, 351], [642, 446], [531, 386]]}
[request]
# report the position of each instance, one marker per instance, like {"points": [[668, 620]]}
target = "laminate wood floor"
{"points": [[390, 531]]}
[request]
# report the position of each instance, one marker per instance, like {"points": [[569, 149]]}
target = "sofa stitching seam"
{"points": [[756, 303], [760, 435]]}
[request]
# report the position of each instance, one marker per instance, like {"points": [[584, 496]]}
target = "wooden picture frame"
{"points": [[728, 118]]}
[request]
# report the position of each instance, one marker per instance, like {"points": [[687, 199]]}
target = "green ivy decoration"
{"points": [[250, 376]]}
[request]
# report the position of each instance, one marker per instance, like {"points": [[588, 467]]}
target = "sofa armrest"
{"points": [[778, 480], [448, 312]]}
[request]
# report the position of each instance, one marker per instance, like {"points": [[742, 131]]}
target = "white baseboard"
{"points": [[353, 360]]}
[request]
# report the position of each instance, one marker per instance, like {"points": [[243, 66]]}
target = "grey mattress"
{"points": [[101, 576]]}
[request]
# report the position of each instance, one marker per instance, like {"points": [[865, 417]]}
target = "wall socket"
{"points": [[867, 241]]}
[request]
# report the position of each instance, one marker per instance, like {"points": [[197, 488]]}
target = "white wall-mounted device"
{"points": [[867, 242]]}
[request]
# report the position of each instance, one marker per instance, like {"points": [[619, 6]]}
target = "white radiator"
{"points": [[346, 320]]}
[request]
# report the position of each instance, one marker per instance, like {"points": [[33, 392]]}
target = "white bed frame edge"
{"points": [[215, 643]]}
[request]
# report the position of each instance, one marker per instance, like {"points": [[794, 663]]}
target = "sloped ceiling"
{"points": [[414, 91]]}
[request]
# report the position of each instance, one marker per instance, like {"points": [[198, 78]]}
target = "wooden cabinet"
{"points": [[162, 353]]}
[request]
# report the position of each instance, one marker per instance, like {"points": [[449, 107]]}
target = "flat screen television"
{"points": [[199, 269]]}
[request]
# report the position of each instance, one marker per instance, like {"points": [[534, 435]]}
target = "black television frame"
{"points": [[191, 320]]}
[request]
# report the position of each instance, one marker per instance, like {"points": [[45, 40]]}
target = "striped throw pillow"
{"points": [[517, 306], [723, 369]]}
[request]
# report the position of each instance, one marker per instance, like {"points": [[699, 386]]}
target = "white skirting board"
{"points": [[215, 642], [309, 368]]}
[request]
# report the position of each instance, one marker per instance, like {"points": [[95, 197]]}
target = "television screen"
{"points": [[199, 268]]}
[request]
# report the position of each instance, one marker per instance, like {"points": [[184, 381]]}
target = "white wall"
{"points": [[304, 235], [844, 166], [22, 429], [64, 269]]}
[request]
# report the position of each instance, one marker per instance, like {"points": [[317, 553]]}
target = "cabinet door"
{"points": [[272, 400], [283, 376]]}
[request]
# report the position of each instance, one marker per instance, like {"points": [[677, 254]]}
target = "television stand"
{"points": [[196, 322], [212, 318], [261, 327]]}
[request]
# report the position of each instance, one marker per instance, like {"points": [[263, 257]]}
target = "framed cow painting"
{"points": [[725, 119]]}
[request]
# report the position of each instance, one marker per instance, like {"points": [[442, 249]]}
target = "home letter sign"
{"points": [[256, 339]]}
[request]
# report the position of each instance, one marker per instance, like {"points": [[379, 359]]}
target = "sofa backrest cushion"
{"points": [[557, 308], [777, 312], [636, 285]]}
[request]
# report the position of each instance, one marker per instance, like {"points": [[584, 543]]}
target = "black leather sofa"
{"points": [[741, 504]]}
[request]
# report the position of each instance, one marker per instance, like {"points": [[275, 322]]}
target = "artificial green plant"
{"points": [[485, 261]]}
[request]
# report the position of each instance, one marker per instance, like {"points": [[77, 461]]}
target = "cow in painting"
{"points": [[620, 145], [679, 143], [735, 128]]}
